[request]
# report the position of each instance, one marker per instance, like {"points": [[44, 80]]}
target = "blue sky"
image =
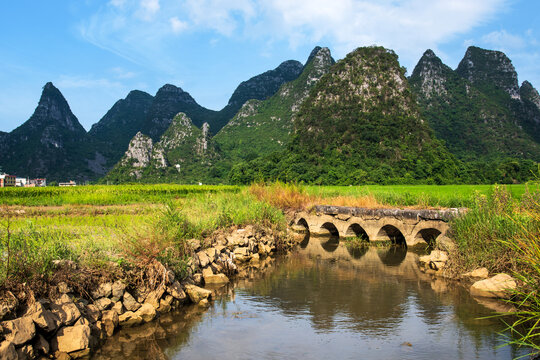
{"points": [[95, 52]]}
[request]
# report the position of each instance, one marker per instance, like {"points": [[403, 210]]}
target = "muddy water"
{"points": [[326, 302]]}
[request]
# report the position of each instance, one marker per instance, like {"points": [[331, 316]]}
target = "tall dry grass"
{"points": [[295, 197]]}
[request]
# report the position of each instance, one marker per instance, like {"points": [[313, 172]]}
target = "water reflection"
{"points": [[392, 256], [321, 304], [331, 244]]}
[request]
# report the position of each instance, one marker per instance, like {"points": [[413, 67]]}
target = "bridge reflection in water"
{"points": [[326, 301]]}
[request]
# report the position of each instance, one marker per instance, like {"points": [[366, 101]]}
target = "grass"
{"points": [[146, 234], [423, 196], [104, 194]]}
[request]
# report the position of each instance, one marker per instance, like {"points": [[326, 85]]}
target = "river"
{"points": [[325, 302]]}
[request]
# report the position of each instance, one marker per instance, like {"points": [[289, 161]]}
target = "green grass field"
{"points": [[415, 195]]}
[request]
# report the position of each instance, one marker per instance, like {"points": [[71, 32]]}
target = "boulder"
{"points": [[7, 351], [241, 254], [435, 261], [43, 318], [147, 312], [212, 254], [446, 244], [216, 279], [103, 290], [154, 297], [207, 272], [26, 352], [19, 331], [117, 290], [203, 258], [71, 339], [110, 321], [93, 313], [129, 318], [82, 321], [197, 278], [498, 286], [237, 239], [41, 345], [165, 304], [8, 304], [64, 288], [176, 291], [130, 303], [118, 307], [67, 312], [196, 294], [170, 277], [194, 244], [104, 303], [480, 273]]}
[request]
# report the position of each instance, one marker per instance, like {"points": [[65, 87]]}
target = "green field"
{"points": [[416, 195]]}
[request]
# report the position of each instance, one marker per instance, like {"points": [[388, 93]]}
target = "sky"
{"points": [[95, 52]]}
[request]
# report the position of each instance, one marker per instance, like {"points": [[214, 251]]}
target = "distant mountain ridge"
{"points": [[355, 121], [52, 143], [476, 109]]}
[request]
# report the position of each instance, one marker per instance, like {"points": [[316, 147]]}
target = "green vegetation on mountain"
{"points": [[262, 127], [114, 131], [360, 124], [475, 126], [184, 153], [260, 87], [52, 144]]}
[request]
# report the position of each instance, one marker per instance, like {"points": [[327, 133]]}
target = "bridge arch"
{"points": [[428, 235], [302, 223], [392, 233], [357, 231], [331, 228]]}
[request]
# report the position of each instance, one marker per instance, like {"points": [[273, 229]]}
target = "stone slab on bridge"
{"points": [[405, 226]]}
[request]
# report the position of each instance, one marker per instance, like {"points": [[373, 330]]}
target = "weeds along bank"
{"points": [[139, 252], [500, 233], [71, 273]]}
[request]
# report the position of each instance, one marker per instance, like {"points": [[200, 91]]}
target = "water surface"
{"points": [[326, 302]]}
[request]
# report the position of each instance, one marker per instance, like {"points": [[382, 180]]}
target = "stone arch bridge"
{"points": [[409, 227]]}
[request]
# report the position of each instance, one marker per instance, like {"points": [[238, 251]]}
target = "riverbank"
{"points": [[68, 324], [83, 239]]}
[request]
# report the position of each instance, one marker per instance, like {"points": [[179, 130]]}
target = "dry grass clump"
{"points": [[283, 196], [295, 197]]}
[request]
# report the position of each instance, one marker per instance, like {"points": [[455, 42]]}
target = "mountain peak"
{"points": [[529, 93], [489, 69], [266, 84]]}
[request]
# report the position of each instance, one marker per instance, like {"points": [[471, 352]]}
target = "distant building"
{"points": [[21, 182], [37, 183], [7, 180], [70, 183]]}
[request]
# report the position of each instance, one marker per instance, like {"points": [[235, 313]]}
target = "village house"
{"points": [[7, 180]]}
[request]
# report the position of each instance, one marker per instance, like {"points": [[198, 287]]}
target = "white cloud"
{"points": [[141, 30], [177, 25], [149, 9], [222, 16], [405, 26], [503, 40], [152, 6]]}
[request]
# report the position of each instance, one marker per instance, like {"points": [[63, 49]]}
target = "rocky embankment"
{"points": [[479, 282], [72, 325]]}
